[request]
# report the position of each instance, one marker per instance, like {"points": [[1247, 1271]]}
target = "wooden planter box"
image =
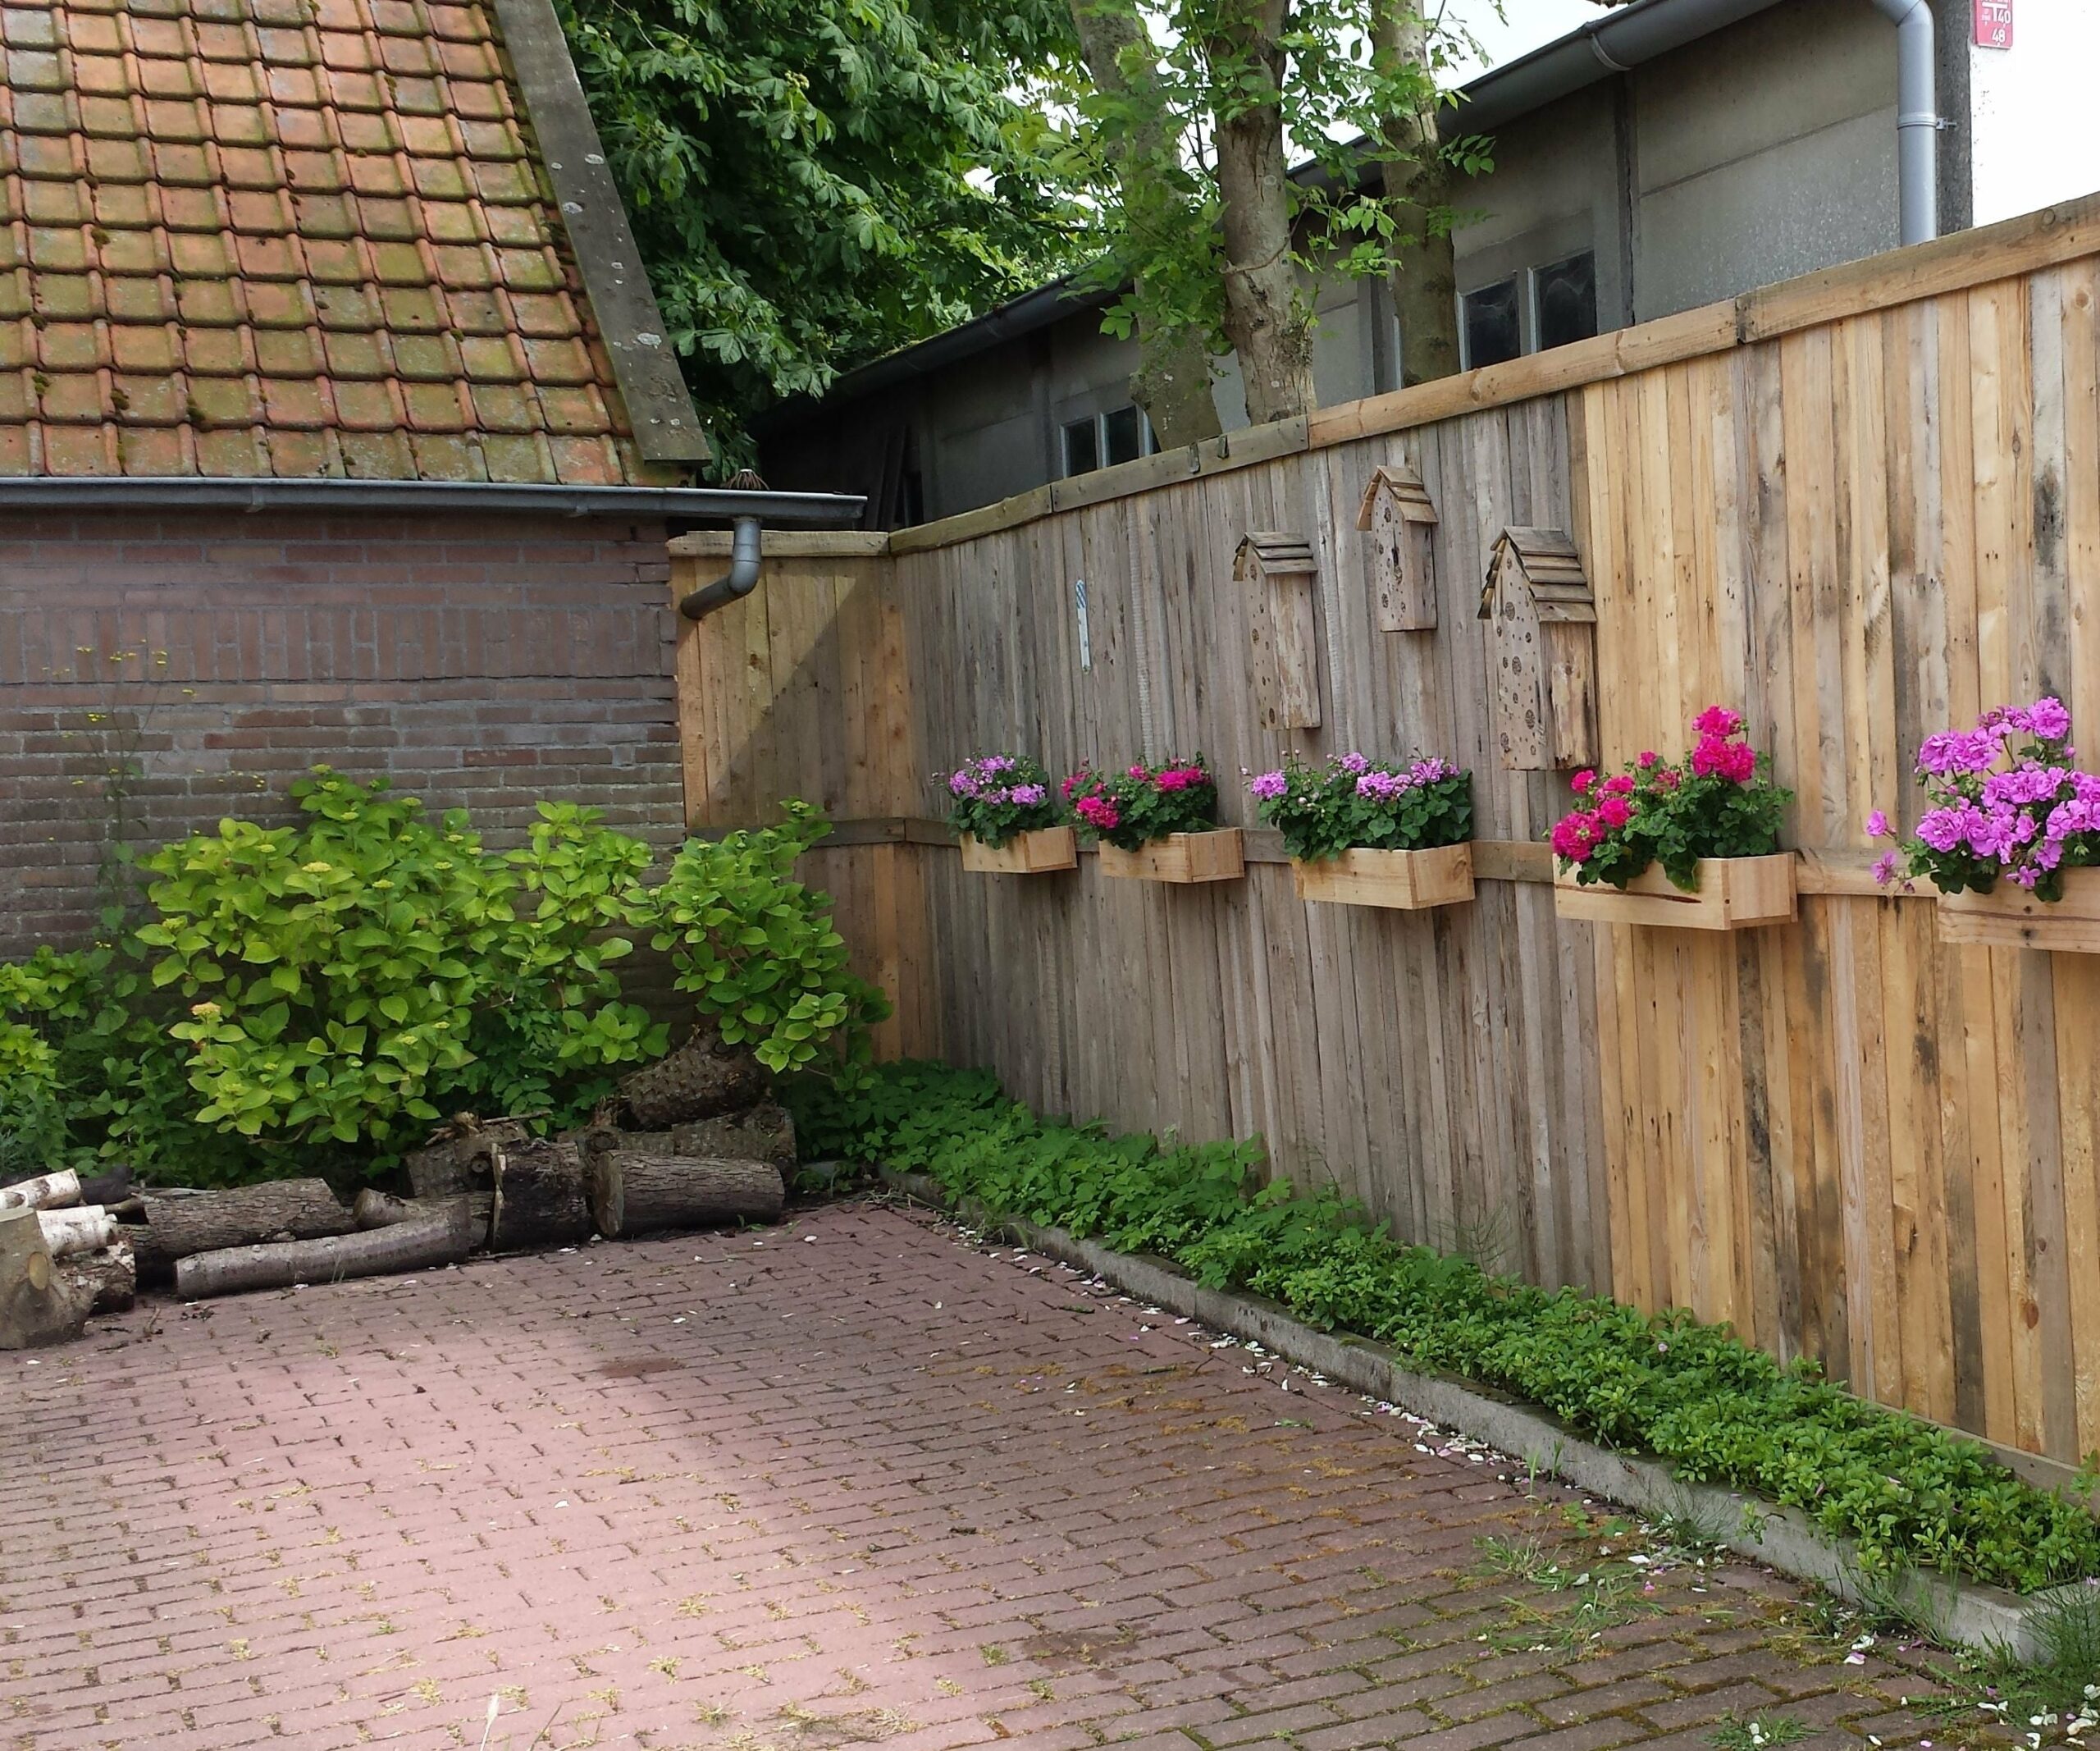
{"points": [[1025, 854], [2010, 917], [1734, 894], [1402, 880], [1180, 856]]}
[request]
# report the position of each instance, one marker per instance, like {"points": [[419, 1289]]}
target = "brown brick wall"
{"points": [[158, 671]]}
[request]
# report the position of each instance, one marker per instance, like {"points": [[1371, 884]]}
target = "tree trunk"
{"points": [[47, 1192], [634, 1194], [1424, 276], [87, 1229], [36, 1306], [1267, 315], [439, 1238], [105, 1282], [703, 1077], [541, 1197], [209, 1221], [1172, 382]]}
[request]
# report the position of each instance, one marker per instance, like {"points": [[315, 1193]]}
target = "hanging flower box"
{"points": [[2012, 917], [2011, 815], [1033, 853], [1399, 880], [1734, 893], [1217, 855]]}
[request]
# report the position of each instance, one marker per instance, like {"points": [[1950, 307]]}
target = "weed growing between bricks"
{"points": [[1909, 1494]]}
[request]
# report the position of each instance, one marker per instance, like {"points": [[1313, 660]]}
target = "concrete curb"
{"points": [[1957, 1612]]}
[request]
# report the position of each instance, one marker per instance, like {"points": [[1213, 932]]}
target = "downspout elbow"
{"points": [[734, 585], [1917, 117]]}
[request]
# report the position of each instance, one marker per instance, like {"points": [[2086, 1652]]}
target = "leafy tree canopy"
{"points": [[815, 182]]}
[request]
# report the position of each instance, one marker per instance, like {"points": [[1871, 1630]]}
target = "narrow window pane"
{"points": [[1568, 300], [1491, 332], [1125, 436], [1082, 447]]}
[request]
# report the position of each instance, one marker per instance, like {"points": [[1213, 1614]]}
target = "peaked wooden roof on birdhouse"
{"points": [[1267, 554], [1550, 569], [1406, 489]]}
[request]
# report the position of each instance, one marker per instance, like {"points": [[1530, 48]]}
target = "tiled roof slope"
{"points": [[285, 237]]}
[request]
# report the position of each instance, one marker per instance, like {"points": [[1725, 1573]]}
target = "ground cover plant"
{"points": [[1718, 802], [999, 797], [1355, 801], [317, 994], [1129, 809], [1908, 1493], [2003, 802]]}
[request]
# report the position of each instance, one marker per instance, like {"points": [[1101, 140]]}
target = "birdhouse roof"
{"points": [[1407, 490], [1549, 569], [1270, 553]]}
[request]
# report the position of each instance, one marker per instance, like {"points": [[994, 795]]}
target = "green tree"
{"points": [[814, 183]]}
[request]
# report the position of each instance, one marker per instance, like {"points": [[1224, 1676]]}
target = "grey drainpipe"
{"points": [[738, 582], [1917, 118]]}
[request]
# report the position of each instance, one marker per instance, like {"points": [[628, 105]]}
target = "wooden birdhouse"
{"points": [[1281, 574], [1545, 651], [1400, 520]]}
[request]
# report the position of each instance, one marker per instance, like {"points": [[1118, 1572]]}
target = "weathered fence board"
{"points": [[1860, 508]]}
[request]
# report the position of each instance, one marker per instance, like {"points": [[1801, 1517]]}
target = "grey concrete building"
{"points": [[1669, 153]]}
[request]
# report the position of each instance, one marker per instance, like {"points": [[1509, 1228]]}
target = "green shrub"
{"points": [[756, 949], [1718, 1410]]}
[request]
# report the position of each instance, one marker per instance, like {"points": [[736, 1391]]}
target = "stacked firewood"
{"points": [[691, 1142]]}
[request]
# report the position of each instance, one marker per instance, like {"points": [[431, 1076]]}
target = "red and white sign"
{"points": [[1994, 23]]}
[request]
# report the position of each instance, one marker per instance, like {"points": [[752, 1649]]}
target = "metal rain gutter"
{"points": [[197, 492], [1917, 118]]}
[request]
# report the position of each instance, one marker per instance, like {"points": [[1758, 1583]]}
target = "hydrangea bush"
{"points": [[1356, 801], [2005, 801], [1719, 801], [999, 797], [1143, 804]]}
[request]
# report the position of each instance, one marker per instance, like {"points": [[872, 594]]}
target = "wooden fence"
{"points": [[1860, 507]]}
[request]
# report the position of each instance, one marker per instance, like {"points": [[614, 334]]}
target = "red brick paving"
{"points": [[848, 1481]]}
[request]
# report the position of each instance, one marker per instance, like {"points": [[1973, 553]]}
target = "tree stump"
{"points": [[47, 1192], [539, 1197], [703, 1077], [439, 1237], [105, 1282], [634, 1194], [36, 1307], [299, 1209]]}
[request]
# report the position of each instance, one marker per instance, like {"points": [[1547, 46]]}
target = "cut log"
{"points": [[111, 1186], [36, 1308], [542, 1198], [703, 1077], [764, 1133], [47, 1192], [296, 1209], [382, 1209], [89, 1228], [106, 1281], [462, 1160], [439, 1237], [634, 1194]]}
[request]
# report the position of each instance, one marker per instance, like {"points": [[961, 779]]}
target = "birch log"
{"points": [[634, 1194], [106, 1282], [47, 1192], [88, 1229], [36, 1307], [440, 1237]]}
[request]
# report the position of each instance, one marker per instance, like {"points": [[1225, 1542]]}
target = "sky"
{"points": [[1515, 28]]}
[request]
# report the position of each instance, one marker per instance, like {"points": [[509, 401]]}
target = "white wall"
{"points": [[2031, 109]]}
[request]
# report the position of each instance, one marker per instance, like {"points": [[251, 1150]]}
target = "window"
{"points": [[1567, 295], [1492, 331], [1101, 441]]}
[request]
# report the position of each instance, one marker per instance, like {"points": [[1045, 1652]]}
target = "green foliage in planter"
{"points": [[1130, 809], [1354, 801], [756, 949], [1693, 1394]]}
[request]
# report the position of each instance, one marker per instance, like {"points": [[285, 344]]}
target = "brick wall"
{"points": [[158, 671]]}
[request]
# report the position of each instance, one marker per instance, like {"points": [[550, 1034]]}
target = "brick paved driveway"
{"points": [[845, 1482]]}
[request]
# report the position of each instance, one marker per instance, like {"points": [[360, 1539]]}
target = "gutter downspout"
{"points": [[1917, 118], [738, 582]]}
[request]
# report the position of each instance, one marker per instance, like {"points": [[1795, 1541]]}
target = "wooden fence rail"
{"points": [[1859, 507]]}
